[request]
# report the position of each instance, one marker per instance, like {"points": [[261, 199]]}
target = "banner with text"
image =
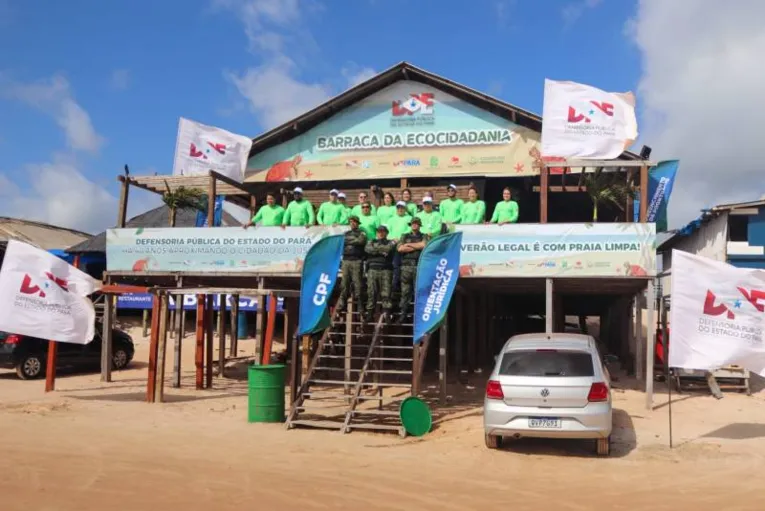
{"points": [[512, 250], [437, 273], [322, 264], [224, 249], [408, 129], [558, 250], [142, 301], [717, 315]]}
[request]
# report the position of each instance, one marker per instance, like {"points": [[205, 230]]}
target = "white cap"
{"points": [[401, 204], [297, 190], [453, 187], [427, 198], [340, 195], [335, 191]]}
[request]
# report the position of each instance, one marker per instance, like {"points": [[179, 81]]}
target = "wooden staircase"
{"points": [[357, 378]]}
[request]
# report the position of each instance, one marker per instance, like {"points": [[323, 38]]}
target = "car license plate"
{"points": [[544, 423]]}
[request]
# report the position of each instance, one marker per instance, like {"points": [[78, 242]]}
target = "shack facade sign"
{"points": [[407, 129], [515, 250]]}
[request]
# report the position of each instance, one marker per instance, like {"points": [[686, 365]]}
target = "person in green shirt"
{"points": [[399, 223], [342, 200], [431, 220], [411, 207], [387, 210], [270, 215], [331, 212], [505, 212], [368, 221], [363, 197], [299, 211], [451, 207], [474, 210]]}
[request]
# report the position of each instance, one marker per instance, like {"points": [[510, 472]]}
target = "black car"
{"points": [[28, 355]]}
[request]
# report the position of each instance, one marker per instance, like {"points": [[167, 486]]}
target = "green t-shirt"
{"points": [[330, 213], [357, 210], [368, 224], [384, 213], [269, 216], [431, 222], [299, 213], [505, 211], [398, 225], [474, 212], [346, 214], [451, 210], [411, 208]]}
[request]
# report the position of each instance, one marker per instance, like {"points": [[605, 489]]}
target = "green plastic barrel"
{"points": [[415, 416], [266, 393]]}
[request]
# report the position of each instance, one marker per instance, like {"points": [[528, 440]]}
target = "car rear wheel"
{"points": [[120, 358], [30, 367], [493, 441], [604, 446]]}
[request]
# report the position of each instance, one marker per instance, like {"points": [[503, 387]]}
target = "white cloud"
{"points": [[573, 11], [701, 94], [266, 22], [54, 97], [7, 187], [120, 79], [275, 95], [355, 75]]}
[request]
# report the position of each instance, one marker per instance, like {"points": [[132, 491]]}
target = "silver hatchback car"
{"points": [[549, 386]]}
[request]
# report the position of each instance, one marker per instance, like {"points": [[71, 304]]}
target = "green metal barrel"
{"points": [[266, 393]]}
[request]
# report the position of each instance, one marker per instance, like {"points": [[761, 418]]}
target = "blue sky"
{"points": [[87, 86]]}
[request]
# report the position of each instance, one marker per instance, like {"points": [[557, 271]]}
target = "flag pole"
{"points": [[665, 341]]}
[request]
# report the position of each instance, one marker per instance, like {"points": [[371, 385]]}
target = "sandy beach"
{"points": [[92, 445]]}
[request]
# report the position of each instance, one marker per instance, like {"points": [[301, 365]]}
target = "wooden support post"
{"points": [[544, 173], [286, 322], [209, 321], [643, 194], [471, 340], [349, 341], [294, 368], [50, 366], [106, 340], [173, 315], [145, 322], [259, 321], [151, 382], [234, 348], [629, 207], [199, 353], [253, 206], [443, 360], [211, 192], [650, 346], [271, 324], [639, 337], [177, 348], [549, 290], [222, 336], [404, 183], [481, 330], [306, 355], [164, 323], [491, 325], [459, 337], [123, 204], [415, 367]]}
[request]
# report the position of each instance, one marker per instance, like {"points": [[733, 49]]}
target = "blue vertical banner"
{"points": [[320, 269], [217, 213], [661, 179], [437, 274]]}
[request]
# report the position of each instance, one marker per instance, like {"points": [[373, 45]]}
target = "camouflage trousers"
{"points": [[380, 283], [352, 283], [408, 279]]}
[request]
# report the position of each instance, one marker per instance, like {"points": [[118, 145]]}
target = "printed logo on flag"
{"points": [[715, 307], [421, 103], [575, 115]]}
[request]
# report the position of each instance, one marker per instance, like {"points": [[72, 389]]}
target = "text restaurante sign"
{"points": [[422, 139]]}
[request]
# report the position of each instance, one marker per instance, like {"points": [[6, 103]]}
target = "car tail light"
{"points": [[494, 390], [598, 392], [13, 339], [547, 350]]}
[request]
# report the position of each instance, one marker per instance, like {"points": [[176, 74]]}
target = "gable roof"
{"points": [[45, 236], [401, 71]]}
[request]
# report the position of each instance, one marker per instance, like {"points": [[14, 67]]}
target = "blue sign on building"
{"points": [[143, 301]]}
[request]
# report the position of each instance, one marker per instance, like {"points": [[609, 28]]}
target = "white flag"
{"points": [[201, 148], [579, 121], [45, 297], [717, 315]]}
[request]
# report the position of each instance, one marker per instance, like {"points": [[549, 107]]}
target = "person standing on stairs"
{"points": [[410, 247], [380, 252], [353, 260]]}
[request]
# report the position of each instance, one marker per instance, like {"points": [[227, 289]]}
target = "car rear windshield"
{"points": [[546, 363]]}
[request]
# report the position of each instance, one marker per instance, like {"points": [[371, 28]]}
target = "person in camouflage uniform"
{"points": [[380, 252], [410, 247], [353, 259]]}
